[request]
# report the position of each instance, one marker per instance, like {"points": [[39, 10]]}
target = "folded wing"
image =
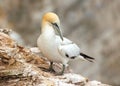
{"points": [[70, 50]]}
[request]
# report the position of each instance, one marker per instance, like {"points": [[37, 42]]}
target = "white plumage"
{"points": [[57, 48]]}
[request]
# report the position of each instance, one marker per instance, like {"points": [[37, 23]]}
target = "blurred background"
{"points": [[93, 24]]}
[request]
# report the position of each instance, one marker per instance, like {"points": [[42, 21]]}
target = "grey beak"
{"points": [[58, 30]]}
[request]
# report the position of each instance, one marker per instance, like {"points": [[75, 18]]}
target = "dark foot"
{"points": [[61, 73], [50, 69]]}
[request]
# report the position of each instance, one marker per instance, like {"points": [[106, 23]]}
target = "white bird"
{"points": [[57, 48]]}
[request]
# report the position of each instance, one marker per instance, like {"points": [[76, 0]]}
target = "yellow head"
{"points": [[53, 20]]}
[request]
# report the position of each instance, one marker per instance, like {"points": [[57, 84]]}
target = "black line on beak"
{"points": [[55, 24], [57, 28]]}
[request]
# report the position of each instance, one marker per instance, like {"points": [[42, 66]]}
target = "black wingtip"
{"points": [[90, 59]]}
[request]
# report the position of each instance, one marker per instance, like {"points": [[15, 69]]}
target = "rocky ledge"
{"points": [[19, 66]]}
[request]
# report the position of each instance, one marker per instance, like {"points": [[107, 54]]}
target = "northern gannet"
{"points": [[56, 47]]}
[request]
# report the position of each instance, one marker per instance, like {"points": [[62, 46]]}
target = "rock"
{"points": [[19, 67], [92, 24]]}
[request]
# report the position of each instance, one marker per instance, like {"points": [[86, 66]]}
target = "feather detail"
{"points": [[87, 57]]}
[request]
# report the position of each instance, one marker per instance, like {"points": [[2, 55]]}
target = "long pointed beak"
{"points": [[58, 30], [60, 34]]}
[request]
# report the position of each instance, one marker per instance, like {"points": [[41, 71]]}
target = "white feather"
{"points": [[67, 47]]}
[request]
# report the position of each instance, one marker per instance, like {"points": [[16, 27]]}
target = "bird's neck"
{"points": [[47, 29]]}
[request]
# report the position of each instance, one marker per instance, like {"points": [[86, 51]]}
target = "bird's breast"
{"points": [[48, 47]]}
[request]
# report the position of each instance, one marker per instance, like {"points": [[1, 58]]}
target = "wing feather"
{"points": [[70, 50], [67, 48]]}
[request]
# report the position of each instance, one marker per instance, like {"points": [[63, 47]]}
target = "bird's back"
{"points": [[67, 48]]}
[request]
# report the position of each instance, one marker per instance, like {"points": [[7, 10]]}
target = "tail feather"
{"points": [[91, 59]]}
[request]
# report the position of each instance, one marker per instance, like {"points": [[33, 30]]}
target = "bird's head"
{"points": [[53, 20]]}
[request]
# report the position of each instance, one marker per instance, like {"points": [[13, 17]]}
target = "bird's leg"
{"points": [[63, 69], [51, 68]]}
